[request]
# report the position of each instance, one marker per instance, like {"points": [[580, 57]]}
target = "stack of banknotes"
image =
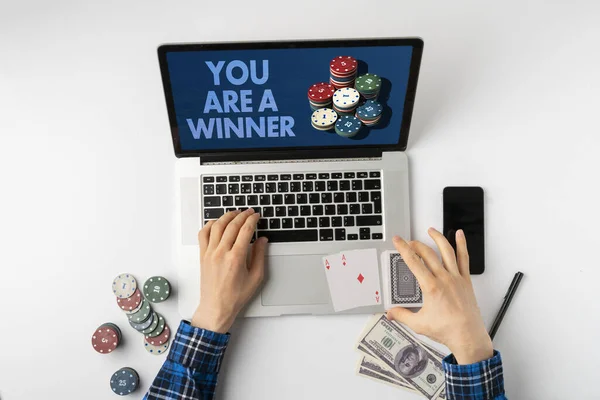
{"points": [[389, 353]]}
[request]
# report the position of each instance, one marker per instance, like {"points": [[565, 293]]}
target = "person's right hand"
{"points": [[449, 314], [228, 277]]}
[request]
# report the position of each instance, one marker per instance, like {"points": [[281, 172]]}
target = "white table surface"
{"points": [[507, 99]]}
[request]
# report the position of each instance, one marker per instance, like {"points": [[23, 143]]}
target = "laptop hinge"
{"points": [[291, 156], [292, 161]]}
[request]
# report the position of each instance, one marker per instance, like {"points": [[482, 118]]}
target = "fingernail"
{"points": [[460, 233], [396, 238], [250, 210]]}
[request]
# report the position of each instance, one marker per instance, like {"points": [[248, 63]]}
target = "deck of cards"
{"points": [[353, 279], [401, 286]]}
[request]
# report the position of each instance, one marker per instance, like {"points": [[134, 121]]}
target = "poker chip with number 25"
{"points": [[124, 381], [347, 126]]}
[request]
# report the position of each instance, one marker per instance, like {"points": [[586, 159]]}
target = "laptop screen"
{"points": [[289, 95]]}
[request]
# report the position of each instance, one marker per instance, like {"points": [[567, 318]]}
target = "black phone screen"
{"points": [[463, 209]]}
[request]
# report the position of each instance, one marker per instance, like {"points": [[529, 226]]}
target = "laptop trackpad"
{"points": [[295, 280]]}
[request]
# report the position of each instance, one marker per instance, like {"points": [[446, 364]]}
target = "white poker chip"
{"points": [[325, 117], [124, 286], [346, 97], [156, 350]]}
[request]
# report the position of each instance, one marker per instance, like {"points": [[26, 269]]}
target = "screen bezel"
{"points": [[294, 152]]}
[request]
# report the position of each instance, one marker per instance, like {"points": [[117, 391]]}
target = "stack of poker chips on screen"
{"points": [[124, 381], [347, 126], [139, 312], [368, 85], [370, 112], [342, 71], [346, 95], [323, 119], [345, 101], [320, 95]]}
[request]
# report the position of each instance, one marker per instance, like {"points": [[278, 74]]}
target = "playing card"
{"points": [[399, 284], [353, 279]]}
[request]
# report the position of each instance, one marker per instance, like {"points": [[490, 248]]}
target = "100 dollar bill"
{"points": [[401, 352], [371, 364]]}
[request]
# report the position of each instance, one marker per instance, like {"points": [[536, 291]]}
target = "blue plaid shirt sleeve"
{"points": [[191, 369], [479, 381]]}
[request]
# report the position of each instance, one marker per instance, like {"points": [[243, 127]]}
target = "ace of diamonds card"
{"points": [[353, 279]]}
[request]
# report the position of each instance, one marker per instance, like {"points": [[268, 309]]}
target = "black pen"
{"points": [[507, 299]]}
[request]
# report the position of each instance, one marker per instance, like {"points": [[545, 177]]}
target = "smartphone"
{"points": [[463, 209]]}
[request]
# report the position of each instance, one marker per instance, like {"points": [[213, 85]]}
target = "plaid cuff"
{"points": [[479, 381], [198, 349]]}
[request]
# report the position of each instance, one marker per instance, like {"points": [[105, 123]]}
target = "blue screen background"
{"points": [[291, 73]]}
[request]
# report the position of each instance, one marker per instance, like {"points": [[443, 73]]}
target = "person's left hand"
{"points": [[228, 278]]}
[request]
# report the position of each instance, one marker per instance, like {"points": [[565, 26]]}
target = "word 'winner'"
{"points": [[240, 102]]}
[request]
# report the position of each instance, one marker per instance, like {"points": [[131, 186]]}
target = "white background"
{"points": [[507, 99]]}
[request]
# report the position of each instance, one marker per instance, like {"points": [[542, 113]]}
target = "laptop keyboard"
{"points": [[307, 207]]}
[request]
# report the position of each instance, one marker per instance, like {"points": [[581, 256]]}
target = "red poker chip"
{"points": [[160, 339], [343, 74], [130, 303], [105, 340], [341, 85], [349, 83], [343, 65], [321, 91]]}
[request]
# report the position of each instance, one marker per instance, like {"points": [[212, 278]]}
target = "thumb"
{"points": [[256, 267], [403, 316]]}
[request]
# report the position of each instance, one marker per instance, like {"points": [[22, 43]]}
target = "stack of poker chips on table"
{"points": [[106, 338], [342, 70], [345, 101], [320, 95], [124, 381], [139, 312], [368, 85], [370, 112]]}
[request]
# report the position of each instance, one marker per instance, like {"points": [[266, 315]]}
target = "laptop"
{"points": [[310, 133]]}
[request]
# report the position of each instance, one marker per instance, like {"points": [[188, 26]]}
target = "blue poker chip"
{"points": [[124, 381], [370, 110], [347, 126]]}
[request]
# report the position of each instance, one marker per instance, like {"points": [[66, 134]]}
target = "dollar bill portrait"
{"points": [[410, 361]]}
